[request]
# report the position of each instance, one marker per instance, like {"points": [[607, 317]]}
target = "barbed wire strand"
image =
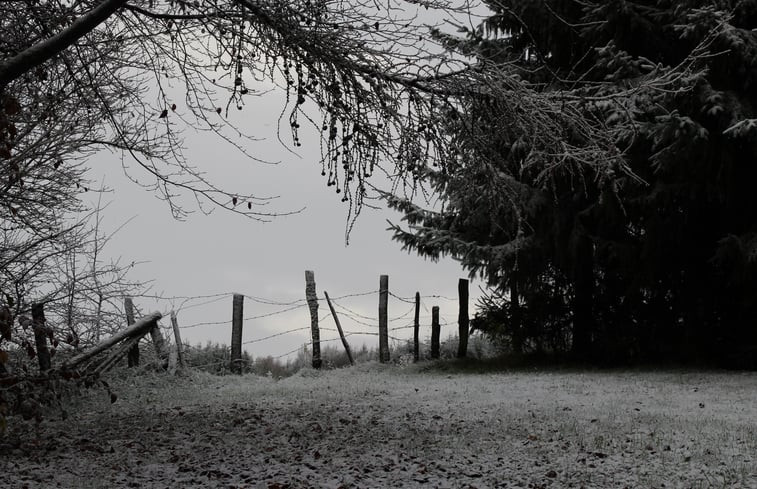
{"points": [[248, 318], [359, 294], [258, 340], [411, 299], [182, 307], [272, 302]]}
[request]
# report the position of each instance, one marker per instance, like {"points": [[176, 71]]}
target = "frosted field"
{"points": [[377, 426]]}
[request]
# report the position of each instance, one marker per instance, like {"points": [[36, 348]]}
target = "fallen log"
{"points": [[116, 355], [138, 328]]}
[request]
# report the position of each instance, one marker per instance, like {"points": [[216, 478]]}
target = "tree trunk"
{"points": [[583, 290], [516, 316]]}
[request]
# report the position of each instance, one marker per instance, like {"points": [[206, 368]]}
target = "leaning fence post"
{"points": [[40, 337], [133, 356], [177, 337], [416, 328], [237, 318], [312, 299], [339, 328], [383, 318], [462, 318], [435, 330]]}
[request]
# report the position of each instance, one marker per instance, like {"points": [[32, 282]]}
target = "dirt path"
{"points": [[388, 427]]}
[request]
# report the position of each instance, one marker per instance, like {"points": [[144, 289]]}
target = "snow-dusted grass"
{"points": [[386, 426]]}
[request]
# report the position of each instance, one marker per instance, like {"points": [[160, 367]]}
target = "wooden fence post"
{"points": [[177, 338], [462, 318], [435, 330], [339, 328], [159, 344], [133, 356], [237, 318], [416, 328], [383, 318], [40, 337], [312, 299]]}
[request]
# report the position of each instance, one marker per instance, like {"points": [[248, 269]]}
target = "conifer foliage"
{"points": [[650, 256]]}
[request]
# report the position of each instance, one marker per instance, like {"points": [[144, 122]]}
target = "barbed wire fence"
{"points": [[350, 309]]}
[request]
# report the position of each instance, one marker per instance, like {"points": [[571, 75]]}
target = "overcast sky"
{"points": [[223, 253]]}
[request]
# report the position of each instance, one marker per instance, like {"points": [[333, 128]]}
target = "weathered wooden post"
{"points": [[237, 319], [339, 328], [312, 299], [462, 318], [133, 356], [435, 330], [383, 318], [416, 328], [159, 344], [40, 337], [177, 338]]}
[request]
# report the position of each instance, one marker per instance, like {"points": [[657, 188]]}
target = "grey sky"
{"points": [[222, 252]]}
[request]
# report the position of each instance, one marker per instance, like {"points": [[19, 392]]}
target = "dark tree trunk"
{"points": [[583, 290], [516, 315]]}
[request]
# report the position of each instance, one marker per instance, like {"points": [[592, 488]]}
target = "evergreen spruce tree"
{"points": [[655, 262]]}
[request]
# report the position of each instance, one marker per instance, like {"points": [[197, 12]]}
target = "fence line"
{"points": [[370, 322]]}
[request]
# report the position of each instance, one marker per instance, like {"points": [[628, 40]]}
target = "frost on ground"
{"points": [[375, 426]]}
